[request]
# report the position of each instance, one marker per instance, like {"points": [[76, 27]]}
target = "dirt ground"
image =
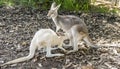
{"points": [[18, 25]]}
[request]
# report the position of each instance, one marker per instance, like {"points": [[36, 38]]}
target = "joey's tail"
{"points": [[31, 55]]}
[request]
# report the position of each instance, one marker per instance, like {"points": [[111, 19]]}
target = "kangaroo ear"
{"points": [[57, 7], [53, 5]]}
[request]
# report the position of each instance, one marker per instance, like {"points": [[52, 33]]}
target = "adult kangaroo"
{"points": [[74, 27]]}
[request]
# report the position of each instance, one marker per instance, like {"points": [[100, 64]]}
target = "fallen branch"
{"points": [[109, 45]]}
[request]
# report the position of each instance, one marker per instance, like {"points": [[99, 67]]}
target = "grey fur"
{"points": [[74, 27]]}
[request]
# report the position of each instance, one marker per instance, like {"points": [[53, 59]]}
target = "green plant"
{"points": [[74, 5], [67, 5], [7, 2]]}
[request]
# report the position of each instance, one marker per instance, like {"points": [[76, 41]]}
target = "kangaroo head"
{"points": [[52, 13]]}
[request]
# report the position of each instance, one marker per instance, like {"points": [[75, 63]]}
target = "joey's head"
{"points": [[52, 13], [62, 36]]}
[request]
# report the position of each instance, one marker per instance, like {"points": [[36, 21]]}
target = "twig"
{"points": [[109, 45]]}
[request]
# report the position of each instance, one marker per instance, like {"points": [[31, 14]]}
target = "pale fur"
{"points": [[74, 27], [44, 38]]}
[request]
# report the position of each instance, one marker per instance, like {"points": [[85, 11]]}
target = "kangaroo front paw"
{"points": [[49, 56], [71, 51], [59, 54], [65, 51], [53, 55]]}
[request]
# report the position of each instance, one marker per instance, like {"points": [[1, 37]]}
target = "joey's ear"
{"points": [[53, 5], [60, 33], [57, 7]]}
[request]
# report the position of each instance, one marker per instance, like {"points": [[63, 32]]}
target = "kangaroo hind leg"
{"points": [[48, 51], [76, 37]]}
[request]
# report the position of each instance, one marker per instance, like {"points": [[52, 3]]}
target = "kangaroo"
{"points": [[44, 38], [73, 26]]}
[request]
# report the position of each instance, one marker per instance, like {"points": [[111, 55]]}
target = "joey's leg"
{"points": [[54, 48], [48, 51], [61, 47], [58, 48], [49, 54]]}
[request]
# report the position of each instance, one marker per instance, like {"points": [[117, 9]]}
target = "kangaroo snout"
{"points": [[48, 16]]}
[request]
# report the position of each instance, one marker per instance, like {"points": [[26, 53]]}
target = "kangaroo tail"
{"points": [[31, 55], [90, 42]]}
